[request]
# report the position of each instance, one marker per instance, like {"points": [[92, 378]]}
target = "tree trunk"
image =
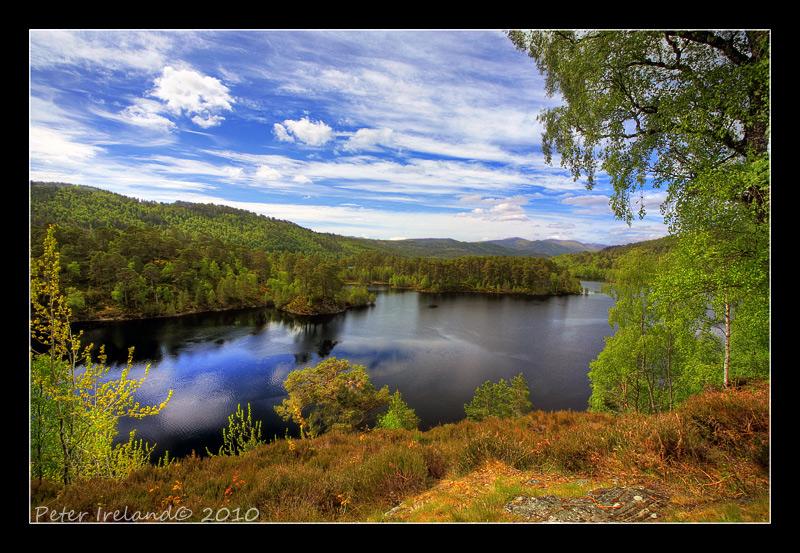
{"points": [[727, 362], [669, 370]]}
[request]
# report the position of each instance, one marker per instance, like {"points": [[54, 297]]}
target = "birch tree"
{"points": [[75, 402]]}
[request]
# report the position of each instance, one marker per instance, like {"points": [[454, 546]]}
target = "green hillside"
{"points": [[88, 207], [122, 257], [545, 248], [603, 264]]}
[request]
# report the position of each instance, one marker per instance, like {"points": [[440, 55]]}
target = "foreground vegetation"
{"points": [[711, 456]]}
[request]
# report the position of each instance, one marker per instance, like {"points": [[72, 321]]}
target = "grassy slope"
{"points": [[711, 457]]}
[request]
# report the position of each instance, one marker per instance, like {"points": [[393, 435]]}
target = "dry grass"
{"points": [[711, 456]]}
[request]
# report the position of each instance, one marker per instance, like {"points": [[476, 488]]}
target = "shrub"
{"points": [[332, 395], [735, 420], [242, 434], [390, 474], [500, 400], [497, 440], [399, 415]]}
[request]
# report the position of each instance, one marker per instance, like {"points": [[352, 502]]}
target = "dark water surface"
{"points": [[435, 348]]}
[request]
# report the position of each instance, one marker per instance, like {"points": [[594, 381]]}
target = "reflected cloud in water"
{"points": [[435, 357]]}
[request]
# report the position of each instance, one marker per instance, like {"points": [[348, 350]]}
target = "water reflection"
{"points": [[436, 356]]}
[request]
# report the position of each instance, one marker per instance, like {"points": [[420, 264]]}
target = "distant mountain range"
{"points": [[444, 248], [548, 247]]}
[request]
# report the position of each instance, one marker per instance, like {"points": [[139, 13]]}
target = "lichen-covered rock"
{"points": [[601, 505]]}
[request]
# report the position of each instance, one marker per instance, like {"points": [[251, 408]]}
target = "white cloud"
{"points": [[437, 146], [587, 201], [281, 133], [208, 121], [368, 139], [147, 113], [186, 91], [267, 173], [233, 173], [52, 146], [592, 204], [309, 132], [111, 50], [499, 209]]}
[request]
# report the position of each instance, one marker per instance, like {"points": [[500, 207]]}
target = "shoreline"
{"points": [[312, 313]]}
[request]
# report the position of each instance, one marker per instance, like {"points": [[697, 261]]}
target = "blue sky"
{"points": [[382, 134]]}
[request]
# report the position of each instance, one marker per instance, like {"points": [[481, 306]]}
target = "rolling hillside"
{"points": [[85, 206], [546, 248], [446, 248]]}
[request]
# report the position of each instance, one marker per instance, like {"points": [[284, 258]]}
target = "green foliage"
{"points": [[329, 396], [653, 106], [74, 416], [643, 362], [74, 404], [724, 258], [359, 296], [399, 415], [242, 434], [685, 319], [129, 456], [688, 111], [502, 400], [130, 258]]}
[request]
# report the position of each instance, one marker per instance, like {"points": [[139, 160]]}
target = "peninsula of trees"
{"points": [[123, 257]]}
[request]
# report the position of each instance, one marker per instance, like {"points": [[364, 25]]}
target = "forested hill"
{"points": [[122, 257], [602, 264], [88, 207]]}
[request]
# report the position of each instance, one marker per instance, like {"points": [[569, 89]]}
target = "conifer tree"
{"points": [[501, 399]]}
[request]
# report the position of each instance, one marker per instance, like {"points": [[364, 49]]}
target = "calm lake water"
{"points": [[435, 348]]}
